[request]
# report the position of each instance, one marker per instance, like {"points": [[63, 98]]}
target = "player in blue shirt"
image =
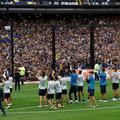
{"points": [[73, 86], [91, 89], [103, 83]]}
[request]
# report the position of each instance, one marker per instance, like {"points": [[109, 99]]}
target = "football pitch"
{"points": [[25, 104]]}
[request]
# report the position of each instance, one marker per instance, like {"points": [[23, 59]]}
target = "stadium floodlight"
{"points": [[7, 28], [10, 29]]}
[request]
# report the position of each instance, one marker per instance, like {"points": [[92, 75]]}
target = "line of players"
{"points": [[57, 86]]}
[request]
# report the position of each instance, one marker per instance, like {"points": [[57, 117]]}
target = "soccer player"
{"points": [[1, 99], [80, 84], [42, 87], [7, 85], [91, 89], [10, 99], [51, 89], [51, 92], [73, 87], [63, 82], [58, 91], [103, 83], [8, 75], [115, 84]]}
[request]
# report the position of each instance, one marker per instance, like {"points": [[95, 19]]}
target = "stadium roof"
{"points": [[60, 9]]}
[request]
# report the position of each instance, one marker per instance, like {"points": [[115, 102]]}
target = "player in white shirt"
{"points": [[11, 80], [51, 92], [63, 82], [80, 84], [7, 86], [115, 75], [58, 91], [42, 87]]}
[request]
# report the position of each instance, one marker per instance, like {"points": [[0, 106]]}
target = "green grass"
{"points": [[26, 101]]}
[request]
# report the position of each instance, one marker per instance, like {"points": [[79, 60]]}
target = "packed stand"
{"points": [[33, 47]]}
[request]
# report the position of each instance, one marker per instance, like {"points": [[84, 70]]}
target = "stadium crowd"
{"points": [[33, 48]]}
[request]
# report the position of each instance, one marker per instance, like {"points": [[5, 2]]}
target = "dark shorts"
{"points": [[80, 88], [115, 86], [103, 89], [73, 88], [6, 95], [50, 96], [58, 96], [91, 92], [10, 90], [42, 92], [64, 92], [45, 90]]}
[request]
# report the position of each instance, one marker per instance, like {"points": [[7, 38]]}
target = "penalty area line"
{"points": [[69, 110]]}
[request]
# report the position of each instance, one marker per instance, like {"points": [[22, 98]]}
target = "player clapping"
{"points": [[58, 91], [80, 84], [91, 89], [7, 86], [73, 87], [103, 83], [115, 83], [63, 82], [42, 86], [51, 92]]}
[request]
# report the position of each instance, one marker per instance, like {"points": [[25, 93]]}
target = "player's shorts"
{"points": [[80, 88], [103, 89], [73, 88], [115, 86], [58, 96], [64, 92], [45, 90], [50, 96], [42, 92], [10, 90], [91, 92], [6, 95]]}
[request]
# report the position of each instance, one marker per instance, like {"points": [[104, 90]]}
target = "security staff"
{"points": [[22, 74], [96, 69]]}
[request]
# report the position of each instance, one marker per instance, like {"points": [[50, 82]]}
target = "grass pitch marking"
{"points": [[69, 110]]}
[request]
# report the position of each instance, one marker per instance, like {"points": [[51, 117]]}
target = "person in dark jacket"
{"points": [[17, 80], [1, 99]]}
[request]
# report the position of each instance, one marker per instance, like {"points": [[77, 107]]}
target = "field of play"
{"points": [[25, 104]]}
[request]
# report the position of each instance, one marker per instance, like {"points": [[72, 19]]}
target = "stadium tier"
{"points": [[33, 37]]}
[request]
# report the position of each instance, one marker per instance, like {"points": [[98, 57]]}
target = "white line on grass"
{"points": [[70, 110], [28, 107], [22, 108]]}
